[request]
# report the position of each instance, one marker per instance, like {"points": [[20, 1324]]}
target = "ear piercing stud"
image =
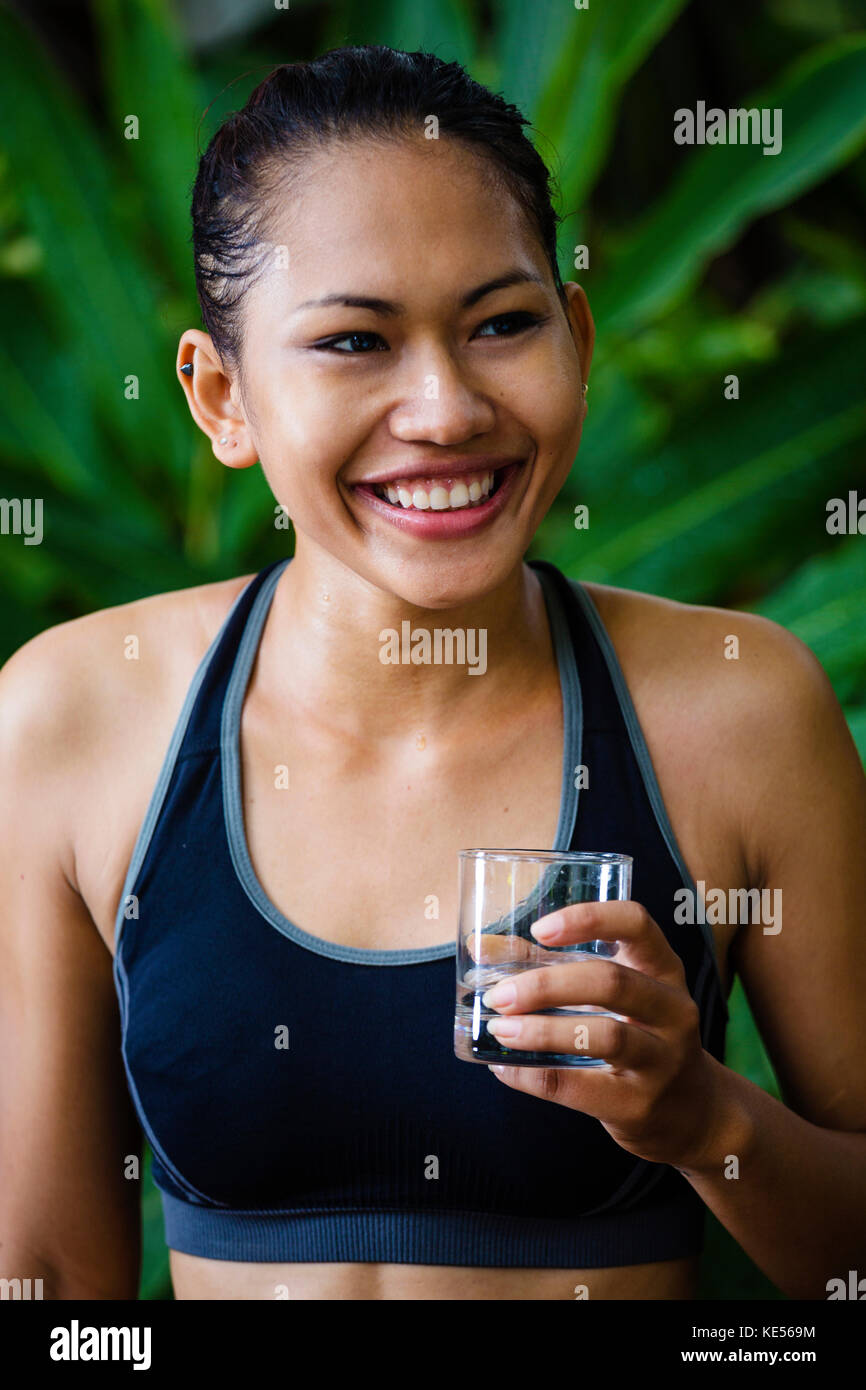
{"points": [[187, 369], [585, 387], [225, 440]]}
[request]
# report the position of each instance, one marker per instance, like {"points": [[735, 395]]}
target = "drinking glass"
{"points": [[503, 892]]}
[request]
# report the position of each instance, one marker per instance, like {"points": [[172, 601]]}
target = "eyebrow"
{"points": [[395, 307]]}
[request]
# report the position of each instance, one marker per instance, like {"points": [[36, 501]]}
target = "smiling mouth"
{"points": [[460, 492]]}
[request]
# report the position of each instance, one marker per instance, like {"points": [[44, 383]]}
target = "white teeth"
{"points": [[439, 498]]}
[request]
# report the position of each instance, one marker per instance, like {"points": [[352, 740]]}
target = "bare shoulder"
{"points": [[695, 638], [87, 708], [738, 697], [74, 674], [717, 663]]}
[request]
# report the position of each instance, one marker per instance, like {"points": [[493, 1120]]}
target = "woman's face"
{"points": [[424, 394]]}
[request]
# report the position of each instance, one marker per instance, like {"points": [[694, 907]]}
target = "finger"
{"points": [[490, 948], [579, 1088], [626, 1046], [496, 953], [642, 943], [596, 1091], [593, 981]]}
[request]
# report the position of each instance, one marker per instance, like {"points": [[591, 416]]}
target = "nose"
{"points": [[443, 408]]}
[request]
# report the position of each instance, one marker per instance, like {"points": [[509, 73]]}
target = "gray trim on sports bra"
{"points": [[572, 707], [572, 745], [644, 762], [158, 796]]}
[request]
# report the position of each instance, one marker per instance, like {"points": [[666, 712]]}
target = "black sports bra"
{"points": [[324, 1149]]}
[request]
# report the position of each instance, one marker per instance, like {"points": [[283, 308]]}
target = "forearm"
{"points": [[30, 1277], [795, 1199]]}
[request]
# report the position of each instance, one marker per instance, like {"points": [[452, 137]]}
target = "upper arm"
{"points": [[66, 1120], [804, 831]]}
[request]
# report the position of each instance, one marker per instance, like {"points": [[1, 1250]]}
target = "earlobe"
{"points": [[233, 453]]}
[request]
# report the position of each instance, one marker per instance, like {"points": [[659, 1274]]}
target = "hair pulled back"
{"points": [[367, 90]]}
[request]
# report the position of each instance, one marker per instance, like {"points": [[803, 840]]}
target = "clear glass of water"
{"points": [[503, 892]]}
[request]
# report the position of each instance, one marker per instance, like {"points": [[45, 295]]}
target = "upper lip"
{"points": [[440, 468]]}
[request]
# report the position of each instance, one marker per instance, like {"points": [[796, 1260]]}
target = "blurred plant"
{"points": [[691, 494]]}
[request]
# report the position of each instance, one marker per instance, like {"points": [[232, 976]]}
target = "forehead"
{"points": [[415, 220]]}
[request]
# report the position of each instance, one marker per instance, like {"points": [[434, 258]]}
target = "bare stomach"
{"points": [[196, 1278]]}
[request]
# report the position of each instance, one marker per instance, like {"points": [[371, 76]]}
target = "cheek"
{"points": [[306, 424], [547, 383], [553, 411], [305, 441]]}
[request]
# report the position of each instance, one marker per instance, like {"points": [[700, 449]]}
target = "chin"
{"points": [[447, 584]]}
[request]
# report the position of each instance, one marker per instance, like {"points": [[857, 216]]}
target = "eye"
{"points": [[519, 322], [331, 344]]}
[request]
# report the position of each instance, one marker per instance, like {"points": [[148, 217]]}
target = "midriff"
{"points": [[196, 1278]]}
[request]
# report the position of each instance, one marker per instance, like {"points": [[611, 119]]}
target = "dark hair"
{"points": [[367, 90]]}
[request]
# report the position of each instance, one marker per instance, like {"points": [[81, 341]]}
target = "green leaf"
{"points": [[46, 420], [724, 187], [155, 1280], [857, 724], [530, 40], [824, 603], [50, 432], [147, 76], [577, 107], [443, 27], [744, 1051], [733, 477], [101, 291]]}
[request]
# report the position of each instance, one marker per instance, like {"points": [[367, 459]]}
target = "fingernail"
{"points": [[546, 931], [499, 1070], [504, 1027], [501, 994]]}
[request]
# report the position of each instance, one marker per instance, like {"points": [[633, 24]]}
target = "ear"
{"points": [[582, 325], [210, 394]]}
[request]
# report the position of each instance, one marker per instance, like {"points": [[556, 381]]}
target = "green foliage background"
{"points": [[703, 262]]}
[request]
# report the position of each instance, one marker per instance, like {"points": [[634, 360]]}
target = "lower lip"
{"points": [[465, 521]]}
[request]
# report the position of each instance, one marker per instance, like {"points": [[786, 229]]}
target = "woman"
{"points": [[190, 777]]}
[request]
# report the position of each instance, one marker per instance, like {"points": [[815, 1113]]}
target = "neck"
{"points": [[379, 665]]}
